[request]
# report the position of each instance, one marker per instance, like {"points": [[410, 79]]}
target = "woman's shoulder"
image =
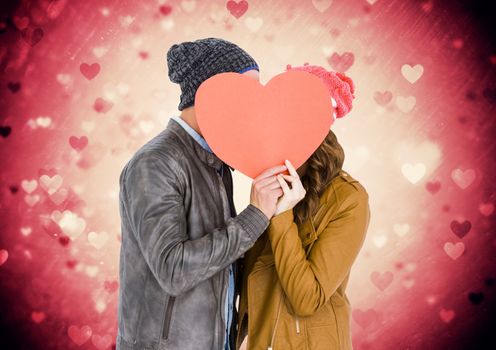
{"points": [[344, 187]]}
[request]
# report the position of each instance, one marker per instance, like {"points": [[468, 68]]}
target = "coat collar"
{"points": [[205, 156]]}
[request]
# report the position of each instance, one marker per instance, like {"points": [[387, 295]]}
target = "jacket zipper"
{"points": [[223, 300], [225, 208], [306, 253], [297, 321], [275, 326], [168, 315], [277, 321]]}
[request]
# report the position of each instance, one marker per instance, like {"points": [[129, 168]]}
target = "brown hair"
{"points": [[322, 166]]}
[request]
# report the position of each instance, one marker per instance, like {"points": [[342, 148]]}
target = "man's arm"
{"points": [[154, 206]]}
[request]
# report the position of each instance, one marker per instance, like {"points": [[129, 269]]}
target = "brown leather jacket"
{"points": [[294, 281]]}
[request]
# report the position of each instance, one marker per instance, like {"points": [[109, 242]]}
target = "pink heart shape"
{"points": [[382, 280], [89, 71]]}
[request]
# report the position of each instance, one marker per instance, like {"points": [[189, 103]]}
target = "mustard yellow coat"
{"points": [[295, 277]]}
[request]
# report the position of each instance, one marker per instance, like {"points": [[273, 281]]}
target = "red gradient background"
{"points": [[84, 84]]}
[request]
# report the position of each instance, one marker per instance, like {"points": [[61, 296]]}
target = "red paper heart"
{"points": [[252, 127]]}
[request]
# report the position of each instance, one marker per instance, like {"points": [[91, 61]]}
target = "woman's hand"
{"points": [[291, 196]]}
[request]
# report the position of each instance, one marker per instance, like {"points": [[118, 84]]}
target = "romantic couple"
{"points": [[195, 274]]}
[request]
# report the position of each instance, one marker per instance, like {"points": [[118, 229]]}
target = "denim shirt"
{"points": [[228, 310]]}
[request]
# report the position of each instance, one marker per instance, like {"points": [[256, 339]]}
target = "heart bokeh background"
{"points": [[84, 85]]}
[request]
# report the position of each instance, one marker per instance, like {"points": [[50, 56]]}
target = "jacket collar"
{"points": [[205, 156], [199, 138]]}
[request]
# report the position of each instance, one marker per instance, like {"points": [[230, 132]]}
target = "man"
{"points": [[180, 231]]}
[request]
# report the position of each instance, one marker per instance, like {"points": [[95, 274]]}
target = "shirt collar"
{"points": [[198, 138], [205, 156]]}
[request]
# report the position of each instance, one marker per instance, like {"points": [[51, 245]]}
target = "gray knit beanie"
{"points": [[192, 62]]}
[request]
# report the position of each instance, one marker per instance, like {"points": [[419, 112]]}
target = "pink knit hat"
{"points": [[341, 88]]}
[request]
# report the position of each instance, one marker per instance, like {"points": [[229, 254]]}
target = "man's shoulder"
{"points": [[165, 144], [165, 147]]}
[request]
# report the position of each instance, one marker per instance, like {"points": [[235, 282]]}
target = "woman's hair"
{"points": [[322, 166]]}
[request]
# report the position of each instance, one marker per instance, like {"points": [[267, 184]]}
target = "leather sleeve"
{"points": [[310, 282], [152, 190]]}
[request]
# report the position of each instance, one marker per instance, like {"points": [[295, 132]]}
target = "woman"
{"points": [[295, 276]]}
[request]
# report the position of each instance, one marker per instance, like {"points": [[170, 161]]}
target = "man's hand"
{"points": [[265, 189], [291, 195]]}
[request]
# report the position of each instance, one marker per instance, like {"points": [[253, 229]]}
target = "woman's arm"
{"points": [[309, 283]]}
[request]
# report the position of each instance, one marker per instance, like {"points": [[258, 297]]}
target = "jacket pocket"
{"points": [[168, 317], [322, 338], [323, 329]]}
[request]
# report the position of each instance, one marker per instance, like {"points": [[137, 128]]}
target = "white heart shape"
{"points": [[98, 240], [71, 224], [413, 172], [405, 103], [454, 251], [463, 178], [380, 241], [51, 184], [29, 185], [412, 74], [321, 5], [401, 229], [188, 5], [253, 23]]}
